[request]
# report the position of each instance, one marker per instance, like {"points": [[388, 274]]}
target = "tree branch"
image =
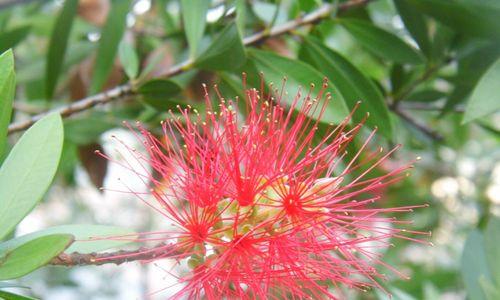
{"points": [[117, 258], [417, 124], [121, 91]]}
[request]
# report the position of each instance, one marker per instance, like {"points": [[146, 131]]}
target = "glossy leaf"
{"points": [[158, 93], [128, 58], [415, 24], [9, 39], [7, 90], [194, 18], [32, 255], [58, 44], [381, 42], [477, 18], [108, 44], [33, 160], [11, 296], [83, 234], [485, 98], [352, 84], [298, 73], [226, 52]]}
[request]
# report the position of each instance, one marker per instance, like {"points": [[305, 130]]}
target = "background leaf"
{"points": [[158, 93], [381, 42], [128, 58], [33, 160], [276, 67], [352, 84], [226, 52], [58, 44], [9, 39], [485, 98], [7, 90], [194, 19], [111, 35], [11, 296], [415, 24], [32, 255], [474, 265]]}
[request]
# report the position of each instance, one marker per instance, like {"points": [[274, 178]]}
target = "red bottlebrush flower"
{"points": [[266, 202]]}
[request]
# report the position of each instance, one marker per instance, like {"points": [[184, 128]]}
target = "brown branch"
{"points": [[121, 91], [117, 258]]}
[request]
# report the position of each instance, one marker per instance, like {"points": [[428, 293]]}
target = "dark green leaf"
{"points": [[11, 38], [479, 18], [58, 43], [381, 42], [32, 255], [7, 90], [241, 11], [415, 24], [298, 73], [352, 84], [86, 130], [11, 296], [158, 93], [194, 18], [83, 237], [28, 171], [128, 58], [426, 95], [485, 98], [225, 53], [108, 44]]}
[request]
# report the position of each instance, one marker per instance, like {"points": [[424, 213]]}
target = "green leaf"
{"points": [[477, 18], [9, 39], [7, 90], [11, 296], [194, 18], [298, 73], [352, 84], [474, 265], [485, 98], [225, 53], [83, 237], [58, 44], [86, 130], [241, 12], [157, 92], [381, 42], [32, 255], [492, 248], [128, 58], [415, 24], [28, 171], [108, 44]]}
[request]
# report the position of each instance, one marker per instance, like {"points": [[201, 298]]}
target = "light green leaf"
{"points": [[381, 42], [352, 84], [58, 43], [415, 24], [83, 237], [32, 255], [298, 73], [158, 93], [7, 90], [28, 171], [108, 44], [194, 18], [485, 98], [9, 39], [477, 18], [225, 53], [474, 265], [492, 248], [11, 296], [241, 12], [128, 58]]}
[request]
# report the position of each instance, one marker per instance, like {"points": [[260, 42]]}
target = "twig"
{"points": [[127, 89], [417, 124], [405, 105], [117, 258], [7, 4]]}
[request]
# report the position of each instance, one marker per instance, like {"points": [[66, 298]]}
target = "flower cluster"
{"points": [[266, 202]]}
